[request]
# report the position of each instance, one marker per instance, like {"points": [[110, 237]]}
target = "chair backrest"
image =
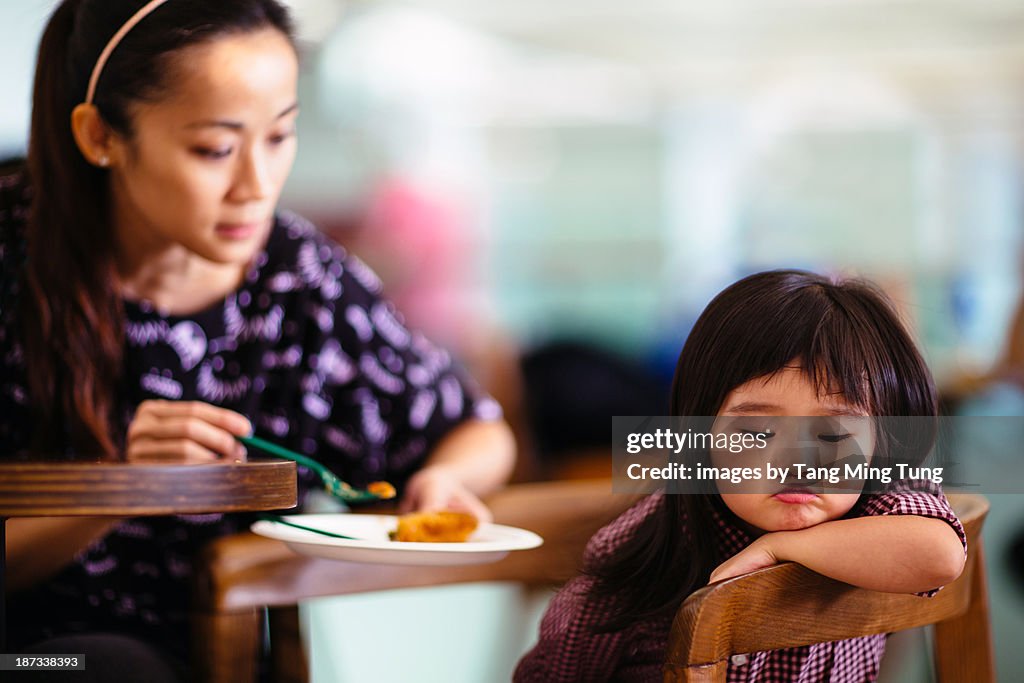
{"points": [[789, 606]]}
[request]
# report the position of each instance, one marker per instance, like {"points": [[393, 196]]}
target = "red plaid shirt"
{"points": [[568, 651]]}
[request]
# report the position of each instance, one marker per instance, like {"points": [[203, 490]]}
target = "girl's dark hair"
{"points": [[72, 313], [844, 334]]}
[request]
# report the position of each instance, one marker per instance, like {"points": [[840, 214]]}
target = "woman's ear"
{"points": [[92, 135]]}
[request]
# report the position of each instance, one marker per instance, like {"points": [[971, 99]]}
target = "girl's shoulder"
{"points": [[606, 541], [903, 497]]}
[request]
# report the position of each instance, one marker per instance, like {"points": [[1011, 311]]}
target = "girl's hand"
{"points": [[435, 488], [757, 555], [186, 432]]}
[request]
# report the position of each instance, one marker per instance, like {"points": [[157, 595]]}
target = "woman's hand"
{"points": [[757, 555], [472, 460], [436, 488], [186, 432]]}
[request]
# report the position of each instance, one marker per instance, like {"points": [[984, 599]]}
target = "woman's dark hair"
{"points": [[72, 312], [844, 334]]}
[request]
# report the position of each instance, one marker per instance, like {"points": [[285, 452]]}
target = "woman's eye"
{"points": [[212, 153], [833, 438], [281, 137], [766, 433]]}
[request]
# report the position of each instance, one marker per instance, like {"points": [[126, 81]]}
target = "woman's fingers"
{"points": [[473, 505], [209, 436], [186, 431], [434, 488], [228, 420], [169, 450]]}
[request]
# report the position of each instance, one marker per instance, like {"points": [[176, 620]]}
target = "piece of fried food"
{"points": [[435, 527], [381, 489]]}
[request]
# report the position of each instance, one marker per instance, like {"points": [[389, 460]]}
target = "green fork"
{"points": [[324, 532], [378, 490]]}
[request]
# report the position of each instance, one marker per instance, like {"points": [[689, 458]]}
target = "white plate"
{"points": [[489, 543]]}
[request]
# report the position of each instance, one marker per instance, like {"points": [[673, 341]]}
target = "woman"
{"points": [[155, 306]]}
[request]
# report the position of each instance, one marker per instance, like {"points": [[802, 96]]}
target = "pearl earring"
{"points": [[103, 161]]}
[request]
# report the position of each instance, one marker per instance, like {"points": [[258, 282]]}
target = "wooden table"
{"points": [[65, 489]]}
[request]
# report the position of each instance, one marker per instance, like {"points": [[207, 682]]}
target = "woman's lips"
{"points": [[238, 231], [795, 496]]}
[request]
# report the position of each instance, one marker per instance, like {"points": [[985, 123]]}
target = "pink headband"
{"points": [[121, 32]]}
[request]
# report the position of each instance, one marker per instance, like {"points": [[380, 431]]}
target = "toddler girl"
{"points": [[774, 345]]}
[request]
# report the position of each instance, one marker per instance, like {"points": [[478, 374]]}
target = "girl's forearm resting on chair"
{"points": [[892, 553]]}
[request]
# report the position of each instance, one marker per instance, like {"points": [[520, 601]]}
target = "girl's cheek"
{"points": [[838, 504]]}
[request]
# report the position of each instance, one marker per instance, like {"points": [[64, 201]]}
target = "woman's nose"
{"points": [[251, 178]]}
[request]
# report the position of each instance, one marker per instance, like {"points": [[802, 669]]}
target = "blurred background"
{"points": [[555, 190]]}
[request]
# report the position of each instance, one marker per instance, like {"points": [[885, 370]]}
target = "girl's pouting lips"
{"points": [[795, 496]]}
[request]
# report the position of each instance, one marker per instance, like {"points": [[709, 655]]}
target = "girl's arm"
{"points": [[891, 553]]}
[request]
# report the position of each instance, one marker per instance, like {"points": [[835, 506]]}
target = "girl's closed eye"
{"points": [[833, 438], [766, 433]]}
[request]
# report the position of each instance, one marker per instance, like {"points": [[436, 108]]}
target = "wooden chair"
{"points": [[789, 606], [240, 575]]}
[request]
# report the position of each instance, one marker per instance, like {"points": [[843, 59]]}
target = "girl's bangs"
{"points": [[841, 361]]}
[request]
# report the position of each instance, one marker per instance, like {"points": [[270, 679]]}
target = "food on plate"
{"points": [[434, 527]]}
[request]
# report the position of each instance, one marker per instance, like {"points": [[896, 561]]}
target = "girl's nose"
{"points": [[806, 454]]}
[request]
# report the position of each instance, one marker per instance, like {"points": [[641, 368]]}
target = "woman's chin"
{"points": [[238, 254]]}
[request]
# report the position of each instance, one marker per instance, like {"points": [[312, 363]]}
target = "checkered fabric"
{"points": [[569, 652]]}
